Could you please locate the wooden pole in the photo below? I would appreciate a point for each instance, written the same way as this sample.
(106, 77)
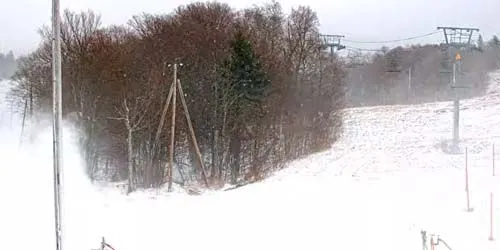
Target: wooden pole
(191, 131)
(160, 127)
(163, 115)
(172, 132)
(161, 124)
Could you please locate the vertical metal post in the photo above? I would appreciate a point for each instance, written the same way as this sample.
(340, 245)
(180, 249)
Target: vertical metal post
(493, 159)
(456, 109)
(409, 78)
(332, 53)
(491, 238)
(57, 119)
(410, 96)
(424, 239)
(458, 38)
(467, 180)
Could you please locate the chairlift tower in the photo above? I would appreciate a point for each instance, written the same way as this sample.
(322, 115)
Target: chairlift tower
(329, 41)
(332, 42)
(457, 41)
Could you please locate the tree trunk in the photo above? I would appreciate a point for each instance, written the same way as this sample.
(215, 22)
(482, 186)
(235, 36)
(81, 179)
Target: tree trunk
(130, 160)
(213, 148)
(235, 148)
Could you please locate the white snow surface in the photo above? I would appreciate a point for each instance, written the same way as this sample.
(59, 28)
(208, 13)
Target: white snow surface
(387, 179)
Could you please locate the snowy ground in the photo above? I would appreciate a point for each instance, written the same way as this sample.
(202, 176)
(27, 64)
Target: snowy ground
(385, 181)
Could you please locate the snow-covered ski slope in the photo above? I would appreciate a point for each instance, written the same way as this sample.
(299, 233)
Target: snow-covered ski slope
(386, 180)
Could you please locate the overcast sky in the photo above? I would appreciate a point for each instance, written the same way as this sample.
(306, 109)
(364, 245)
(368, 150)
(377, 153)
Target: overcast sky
(365, 20)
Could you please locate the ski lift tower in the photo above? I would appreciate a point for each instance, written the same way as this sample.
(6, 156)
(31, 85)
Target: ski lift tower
(457, 41)
(332, 42)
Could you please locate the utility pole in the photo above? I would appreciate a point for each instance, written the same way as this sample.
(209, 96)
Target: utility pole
(457, 39)
(175, 88)
(57, 119)
(172, 131)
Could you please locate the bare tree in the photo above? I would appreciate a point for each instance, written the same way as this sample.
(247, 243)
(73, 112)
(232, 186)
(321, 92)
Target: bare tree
(117, 85)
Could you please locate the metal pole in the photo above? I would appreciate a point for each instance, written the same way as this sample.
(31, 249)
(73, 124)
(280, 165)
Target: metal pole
(493, 159)
(456, 110)
(491, 238)
(458, 38)
(57, 118)
(409, 78)
(332, 52)
(409, 84)
(466, 171)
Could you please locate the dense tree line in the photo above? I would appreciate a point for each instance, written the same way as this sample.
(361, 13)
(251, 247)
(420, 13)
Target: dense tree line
(384, 78)
(259, 89)
(7, 65)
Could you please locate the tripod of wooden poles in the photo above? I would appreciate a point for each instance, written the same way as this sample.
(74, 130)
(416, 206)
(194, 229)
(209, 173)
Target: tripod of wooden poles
(175, 88)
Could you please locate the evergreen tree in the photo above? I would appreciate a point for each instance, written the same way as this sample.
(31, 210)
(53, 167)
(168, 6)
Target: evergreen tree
(480, 43)
(247, 84)
(246, 78)
(7, 65)
(494, 42)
